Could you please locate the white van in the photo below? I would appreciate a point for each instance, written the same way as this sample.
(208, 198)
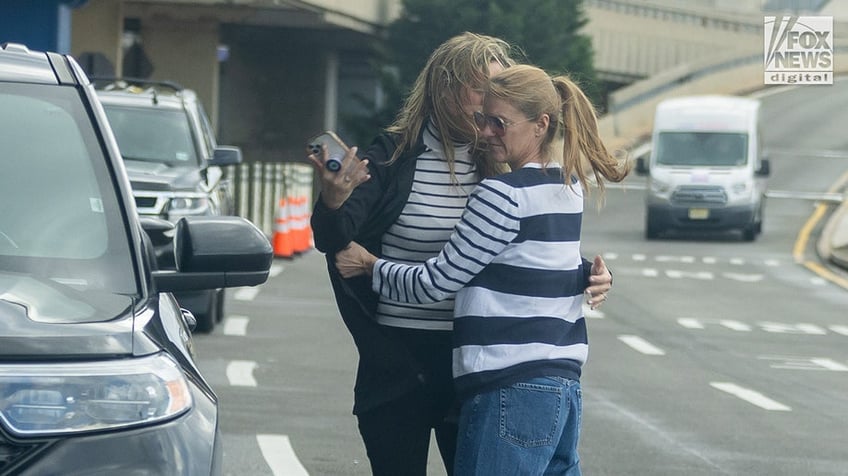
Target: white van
(705, 171)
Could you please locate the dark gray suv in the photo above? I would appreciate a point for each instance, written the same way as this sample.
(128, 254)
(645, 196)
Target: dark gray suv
(173, 161)
(97, 374)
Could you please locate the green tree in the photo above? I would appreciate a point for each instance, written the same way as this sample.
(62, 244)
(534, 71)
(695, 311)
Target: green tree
(545, 33)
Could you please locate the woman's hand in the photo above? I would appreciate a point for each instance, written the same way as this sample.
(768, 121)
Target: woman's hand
(600, 283)
(354, 260)
(337, 186)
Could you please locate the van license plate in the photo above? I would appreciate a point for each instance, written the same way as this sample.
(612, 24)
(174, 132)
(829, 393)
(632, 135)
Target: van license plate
(699, 213)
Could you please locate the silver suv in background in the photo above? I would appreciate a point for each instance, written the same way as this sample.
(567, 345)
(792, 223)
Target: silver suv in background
(174, 164)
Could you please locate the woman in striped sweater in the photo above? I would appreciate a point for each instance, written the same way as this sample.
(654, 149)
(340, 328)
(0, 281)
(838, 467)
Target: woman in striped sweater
(513, 263)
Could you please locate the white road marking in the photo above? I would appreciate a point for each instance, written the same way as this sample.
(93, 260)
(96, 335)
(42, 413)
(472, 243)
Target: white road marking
(610, 256)
(782, 328)
(280, 456)
(240, 373)
(815, 280)
(737, 261)
(677, 274)
(690, 323)
(236, 326)
(709, 260)
(650, 273)
(840, 330)
(751, 396)
(245, 294)
(804, 363)
(276, 269)
(639, 257)
(830, 364)
(641, 345)
(735, 325)
(745, 278)
(772, 262)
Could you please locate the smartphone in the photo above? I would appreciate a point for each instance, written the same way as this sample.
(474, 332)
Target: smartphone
(336, 149)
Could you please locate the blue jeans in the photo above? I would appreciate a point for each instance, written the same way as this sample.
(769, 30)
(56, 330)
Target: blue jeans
(528, 428)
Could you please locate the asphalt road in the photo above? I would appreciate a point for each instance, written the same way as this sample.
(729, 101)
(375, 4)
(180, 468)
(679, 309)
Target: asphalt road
(713, 355)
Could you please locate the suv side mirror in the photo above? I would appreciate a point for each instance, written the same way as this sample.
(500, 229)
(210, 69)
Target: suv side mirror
(642, 166)
(216, 252)
(765, 168)
(225, 155)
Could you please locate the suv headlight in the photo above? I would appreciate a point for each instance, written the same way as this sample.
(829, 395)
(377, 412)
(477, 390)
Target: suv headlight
(189, 204)
(50, 399)
(739, 188)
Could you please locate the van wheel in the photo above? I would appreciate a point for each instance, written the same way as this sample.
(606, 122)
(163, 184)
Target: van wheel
(749, 233)
(652, 229)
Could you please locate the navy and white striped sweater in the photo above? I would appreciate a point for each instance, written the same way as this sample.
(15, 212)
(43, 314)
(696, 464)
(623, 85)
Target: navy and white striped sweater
(514, 264)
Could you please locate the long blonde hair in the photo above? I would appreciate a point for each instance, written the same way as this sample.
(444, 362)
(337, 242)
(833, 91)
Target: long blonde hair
(458, 65)
(572, 118)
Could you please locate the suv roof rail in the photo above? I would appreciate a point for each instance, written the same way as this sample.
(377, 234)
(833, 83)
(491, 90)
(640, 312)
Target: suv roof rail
(115, 82)
(16, 47)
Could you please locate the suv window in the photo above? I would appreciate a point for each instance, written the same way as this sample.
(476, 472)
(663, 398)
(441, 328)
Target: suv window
(153, 135)
(65, 238)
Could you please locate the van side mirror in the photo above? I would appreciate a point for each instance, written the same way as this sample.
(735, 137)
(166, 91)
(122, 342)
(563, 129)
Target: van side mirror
(765, 168)
(642, 166)
(226, 155)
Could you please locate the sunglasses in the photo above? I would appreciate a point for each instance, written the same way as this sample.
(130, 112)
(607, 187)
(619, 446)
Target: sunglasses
(497, 124)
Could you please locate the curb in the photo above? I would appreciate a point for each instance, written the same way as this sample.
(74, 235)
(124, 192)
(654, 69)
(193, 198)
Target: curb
(833, 243)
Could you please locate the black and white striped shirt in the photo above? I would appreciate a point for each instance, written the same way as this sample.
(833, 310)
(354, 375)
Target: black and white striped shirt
(514, 265)
(434, 206)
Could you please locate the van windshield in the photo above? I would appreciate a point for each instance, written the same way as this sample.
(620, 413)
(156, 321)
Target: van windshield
(714, 149)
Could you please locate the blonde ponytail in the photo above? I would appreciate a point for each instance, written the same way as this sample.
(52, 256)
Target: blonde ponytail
(582, 144)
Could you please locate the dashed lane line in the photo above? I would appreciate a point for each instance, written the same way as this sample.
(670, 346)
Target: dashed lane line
(751, 396)
(240, 373)
(245, 294)
(275, 270)
(641, 345)
(236, 326)
(280, 456)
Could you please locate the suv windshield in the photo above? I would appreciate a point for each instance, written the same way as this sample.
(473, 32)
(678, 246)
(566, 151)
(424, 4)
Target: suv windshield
(152, 135)
(63, 239)
(709, 149)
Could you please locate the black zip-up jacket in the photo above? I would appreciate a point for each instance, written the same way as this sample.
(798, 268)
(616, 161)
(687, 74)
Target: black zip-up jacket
(387, 369)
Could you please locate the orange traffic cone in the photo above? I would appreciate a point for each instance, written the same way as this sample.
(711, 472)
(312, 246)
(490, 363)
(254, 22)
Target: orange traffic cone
(302, 241)
(282, 233)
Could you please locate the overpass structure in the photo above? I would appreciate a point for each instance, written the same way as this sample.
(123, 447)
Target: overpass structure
(273, 72)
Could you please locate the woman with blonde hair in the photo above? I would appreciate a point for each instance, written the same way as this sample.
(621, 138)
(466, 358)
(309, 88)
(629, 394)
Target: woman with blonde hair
(402, 202)
(513, 264)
